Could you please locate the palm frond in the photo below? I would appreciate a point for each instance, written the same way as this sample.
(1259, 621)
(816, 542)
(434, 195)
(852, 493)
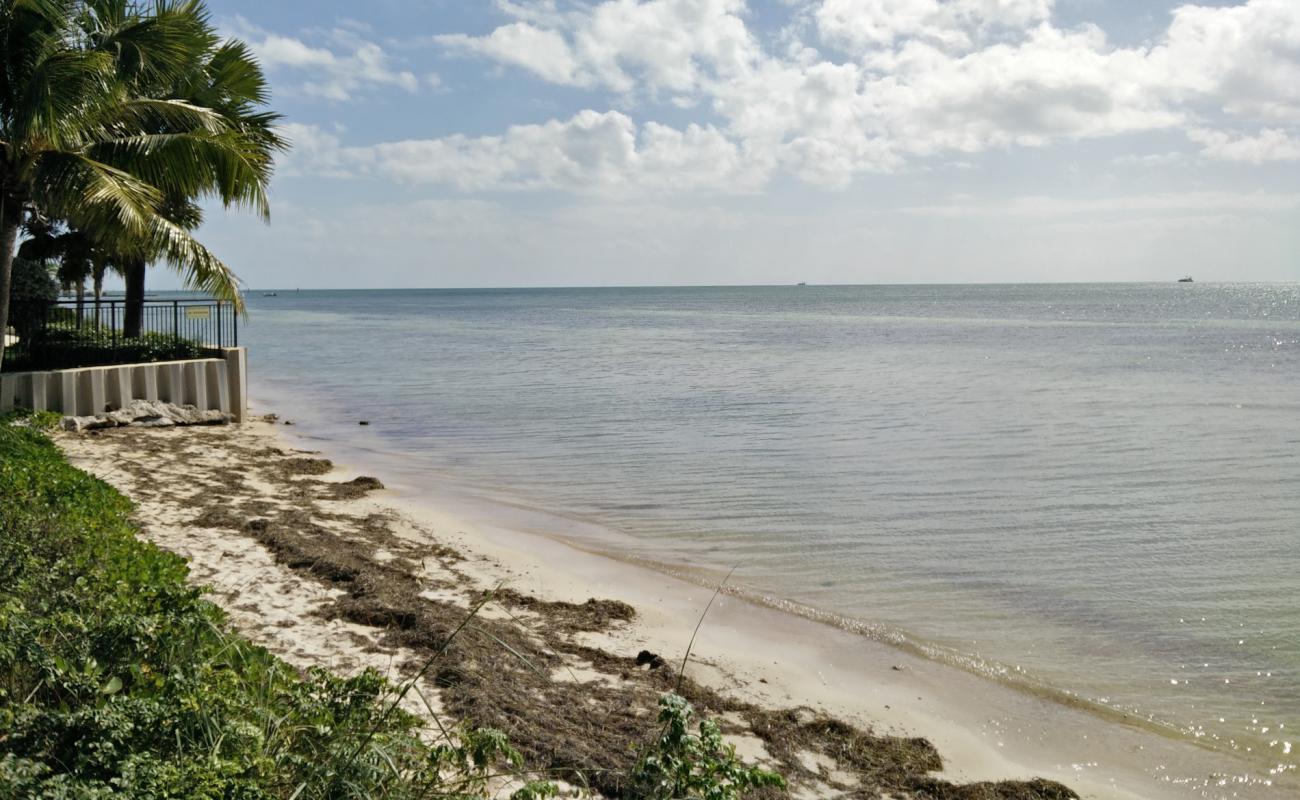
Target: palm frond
(153, 115)
(234, 72)
(90, 193)
(59, 87)
(228, 166)
(150, 49)
(202, 270)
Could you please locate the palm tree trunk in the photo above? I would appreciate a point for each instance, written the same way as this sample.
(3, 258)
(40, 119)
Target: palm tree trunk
(134, 318)
(10, 218)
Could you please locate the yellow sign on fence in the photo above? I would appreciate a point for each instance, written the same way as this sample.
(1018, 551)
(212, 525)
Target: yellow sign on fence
(198, 312)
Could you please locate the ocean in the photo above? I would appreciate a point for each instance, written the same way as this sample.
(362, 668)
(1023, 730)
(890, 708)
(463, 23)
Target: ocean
(1091, 491)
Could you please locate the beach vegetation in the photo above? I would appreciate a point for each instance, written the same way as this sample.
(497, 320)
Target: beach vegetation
(39, 420)
(117, 679)
(682, 763)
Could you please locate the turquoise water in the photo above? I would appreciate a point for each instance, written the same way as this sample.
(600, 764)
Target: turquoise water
(1092, 488)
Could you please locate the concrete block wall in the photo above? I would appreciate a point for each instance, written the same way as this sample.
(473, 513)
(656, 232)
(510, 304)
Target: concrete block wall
(208, 383)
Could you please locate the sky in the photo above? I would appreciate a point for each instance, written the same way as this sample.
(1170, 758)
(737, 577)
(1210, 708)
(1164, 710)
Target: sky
(466, 143)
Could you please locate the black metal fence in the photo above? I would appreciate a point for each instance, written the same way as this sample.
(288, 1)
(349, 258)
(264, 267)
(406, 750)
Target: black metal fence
(71, 334)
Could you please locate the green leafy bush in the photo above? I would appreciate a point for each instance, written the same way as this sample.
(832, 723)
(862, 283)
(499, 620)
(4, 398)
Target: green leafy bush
(117, 679)
(40, 420)
(62, 348)
(681, 765)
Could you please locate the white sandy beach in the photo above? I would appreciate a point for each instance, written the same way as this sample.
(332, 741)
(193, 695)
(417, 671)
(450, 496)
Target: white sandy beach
(983, 730)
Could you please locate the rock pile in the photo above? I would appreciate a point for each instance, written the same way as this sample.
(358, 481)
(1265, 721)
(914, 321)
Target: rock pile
(147, 414)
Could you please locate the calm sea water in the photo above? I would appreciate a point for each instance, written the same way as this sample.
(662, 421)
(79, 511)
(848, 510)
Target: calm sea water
(1094, 488)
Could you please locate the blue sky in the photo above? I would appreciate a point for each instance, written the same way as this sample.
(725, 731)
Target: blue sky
(617, 142)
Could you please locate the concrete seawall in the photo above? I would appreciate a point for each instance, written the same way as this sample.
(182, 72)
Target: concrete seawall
(220, 383)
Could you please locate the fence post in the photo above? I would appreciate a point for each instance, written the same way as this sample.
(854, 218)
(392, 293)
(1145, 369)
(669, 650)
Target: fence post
(176, 321)
(218, 321)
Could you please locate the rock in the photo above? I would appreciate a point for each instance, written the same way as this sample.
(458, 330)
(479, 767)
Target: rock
(154, 422)
(899, 668)
(144, 408)
(79, 424)
(120, 417)
(210, 417)
(147, 414)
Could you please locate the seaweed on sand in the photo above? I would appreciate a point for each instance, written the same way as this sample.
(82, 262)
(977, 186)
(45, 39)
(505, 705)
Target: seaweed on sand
(518, 671)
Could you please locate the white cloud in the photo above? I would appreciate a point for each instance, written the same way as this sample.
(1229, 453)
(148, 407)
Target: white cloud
(1271, 144)
(591, 151)
(344, 63)
(1244, 59)
(620, 44)
(955, 24)
(313, 151)
(1156, 203)
(545, 53)
(510, 241)
(1165, 159)
(918, 78)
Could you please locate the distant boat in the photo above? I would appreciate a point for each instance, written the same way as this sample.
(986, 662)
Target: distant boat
(801, 283)
(1187, 279)
(270, 294)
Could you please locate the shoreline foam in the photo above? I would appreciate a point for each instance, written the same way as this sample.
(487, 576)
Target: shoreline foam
(983, 730)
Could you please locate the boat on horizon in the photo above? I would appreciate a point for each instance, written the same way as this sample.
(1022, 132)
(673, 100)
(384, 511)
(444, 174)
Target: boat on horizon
(1185, 279)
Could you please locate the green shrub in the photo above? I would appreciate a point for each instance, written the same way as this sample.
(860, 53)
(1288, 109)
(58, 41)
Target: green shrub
(89, 346)
(681, 765)
(117, 679)
(40, 420)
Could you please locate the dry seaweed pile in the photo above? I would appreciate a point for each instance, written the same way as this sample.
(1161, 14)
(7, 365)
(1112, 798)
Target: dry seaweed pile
(574, 711)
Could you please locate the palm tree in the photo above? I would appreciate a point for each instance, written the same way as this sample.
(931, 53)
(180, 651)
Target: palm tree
(76, 252)
(103, 122)
(234, 165)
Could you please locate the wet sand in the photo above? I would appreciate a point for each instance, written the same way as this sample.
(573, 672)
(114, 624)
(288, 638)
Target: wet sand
(327, 569)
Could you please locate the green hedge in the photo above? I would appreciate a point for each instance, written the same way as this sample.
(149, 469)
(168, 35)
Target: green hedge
(91, 347)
